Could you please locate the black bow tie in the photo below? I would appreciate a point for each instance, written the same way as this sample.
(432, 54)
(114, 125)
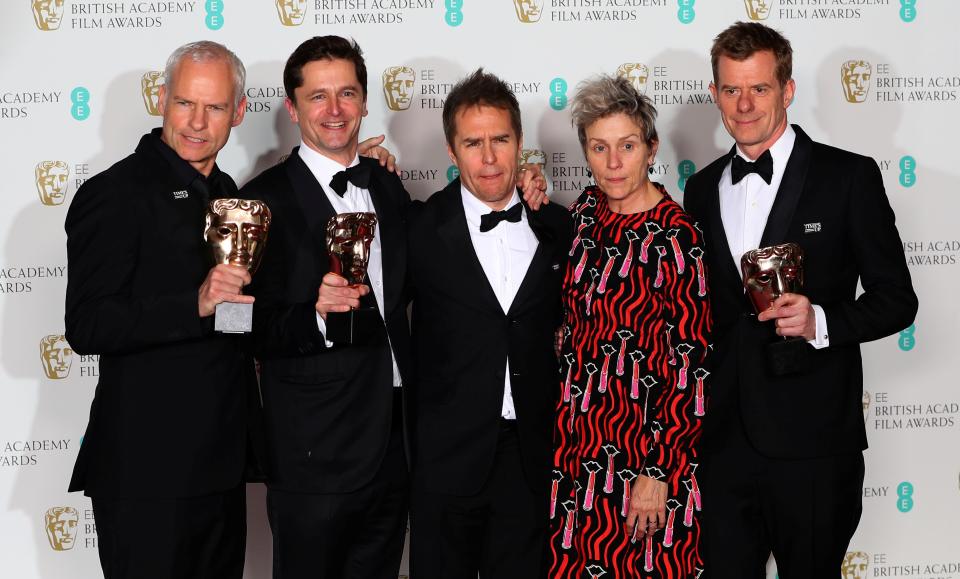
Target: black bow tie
(763, 166)
(490, 220)
(359, 175)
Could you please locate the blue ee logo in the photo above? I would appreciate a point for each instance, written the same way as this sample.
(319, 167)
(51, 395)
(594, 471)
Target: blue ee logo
(80, 109)
(907, 341)
(452, 173)
(685, 169)
(558, 94)
(908, 10)
(214, 18)
(904, 497)
(908, 167)
(686, 14)
(454, 15)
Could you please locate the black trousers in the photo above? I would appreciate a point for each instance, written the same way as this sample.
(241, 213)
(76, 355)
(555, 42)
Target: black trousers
(804, 511)
(176, 538)
(500, 532)
(356, 535)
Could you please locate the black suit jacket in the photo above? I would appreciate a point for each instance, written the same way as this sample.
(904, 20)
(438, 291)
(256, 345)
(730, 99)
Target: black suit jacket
(327, 411)
(170, 413)
(462, 340)
(833, 204)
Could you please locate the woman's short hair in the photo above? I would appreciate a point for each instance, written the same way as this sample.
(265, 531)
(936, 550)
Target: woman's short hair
(606, 95)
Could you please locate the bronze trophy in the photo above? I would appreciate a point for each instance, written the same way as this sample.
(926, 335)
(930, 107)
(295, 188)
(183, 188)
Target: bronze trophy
(236, 233)
(349, 236)
(768, 273)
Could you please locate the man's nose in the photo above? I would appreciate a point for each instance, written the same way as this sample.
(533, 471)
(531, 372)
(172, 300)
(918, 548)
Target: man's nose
(198, 120)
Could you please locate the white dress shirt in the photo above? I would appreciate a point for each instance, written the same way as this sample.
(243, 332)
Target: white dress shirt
(745, 207)
(505, 253)
(354, 200)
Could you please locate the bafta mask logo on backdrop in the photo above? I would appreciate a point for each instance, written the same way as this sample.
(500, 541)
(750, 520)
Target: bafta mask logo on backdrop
(637, 73)
(56, 356)
(855, 76)
(291, 12)
(758, 9)
(47, 14)
(61, 525)
(855, 565)
(866, 404)
(528, 10)
(398, 86)
(51, 179)
(150, 85)
(535, 156)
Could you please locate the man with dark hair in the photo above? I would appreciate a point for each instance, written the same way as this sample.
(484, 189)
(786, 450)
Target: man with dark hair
(783, 464)
(336, 468)
(485, 278)
(169, 423)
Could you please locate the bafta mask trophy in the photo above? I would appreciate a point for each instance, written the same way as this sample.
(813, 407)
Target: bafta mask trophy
(236, 233)
(768, 273)
(348, 242)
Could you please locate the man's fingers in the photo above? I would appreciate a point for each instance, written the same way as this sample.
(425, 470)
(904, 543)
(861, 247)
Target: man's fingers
(236, 299)
(334, 280)
(367, 144)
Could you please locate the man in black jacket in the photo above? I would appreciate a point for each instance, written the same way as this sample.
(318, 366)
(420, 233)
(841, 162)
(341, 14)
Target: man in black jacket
(336, 467)
(169, 422)
(486, 276)
(783, 463)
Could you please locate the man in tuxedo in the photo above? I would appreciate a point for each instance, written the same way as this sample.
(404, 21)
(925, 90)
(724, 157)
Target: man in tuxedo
(170, 420)
(783, 464)
(485, 277)
(336, 468)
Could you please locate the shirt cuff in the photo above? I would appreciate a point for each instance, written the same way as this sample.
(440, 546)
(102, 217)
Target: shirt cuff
(822, 337)
(322, 326)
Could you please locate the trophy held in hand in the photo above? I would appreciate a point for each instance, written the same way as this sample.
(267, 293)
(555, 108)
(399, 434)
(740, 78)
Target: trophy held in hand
(768, 273)
(236, 233)
(349, 236)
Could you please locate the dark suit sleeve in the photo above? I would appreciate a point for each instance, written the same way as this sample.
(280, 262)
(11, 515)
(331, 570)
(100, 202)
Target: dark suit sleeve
(888, 303)
(280, 328)
(103, 315)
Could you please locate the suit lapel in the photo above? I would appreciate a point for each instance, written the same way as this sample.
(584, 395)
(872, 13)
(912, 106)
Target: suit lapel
(452, 229)
(791, 187)
(392, 238)
(718, 235)
(538, 265)
(315, 210)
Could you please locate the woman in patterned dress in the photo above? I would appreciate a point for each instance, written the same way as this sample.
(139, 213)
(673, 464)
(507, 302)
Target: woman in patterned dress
(625, 498)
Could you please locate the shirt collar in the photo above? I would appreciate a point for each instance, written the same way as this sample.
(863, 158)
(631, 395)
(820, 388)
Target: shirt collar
(211, 185)
(323, 167)
(182, 169)
(780, 150)
(474, 208)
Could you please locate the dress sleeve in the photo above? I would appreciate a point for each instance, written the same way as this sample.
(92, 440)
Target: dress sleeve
(675, 425)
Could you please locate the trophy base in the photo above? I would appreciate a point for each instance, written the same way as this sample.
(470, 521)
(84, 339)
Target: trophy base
(355, 327)
(231, 318)
(787, 356)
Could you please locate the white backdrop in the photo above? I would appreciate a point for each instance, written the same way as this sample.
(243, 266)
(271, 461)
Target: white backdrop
(75, 87)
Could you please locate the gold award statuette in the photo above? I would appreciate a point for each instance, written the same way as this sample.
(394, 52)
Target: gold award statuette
(236, 233)
(349, 236)
(768, 273)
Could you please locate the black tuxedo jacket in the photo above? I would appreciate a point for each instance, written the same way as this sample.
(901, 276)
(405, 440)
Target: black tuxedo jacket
(462, 339)
(170, 413)
(833, 204)
(327, 411)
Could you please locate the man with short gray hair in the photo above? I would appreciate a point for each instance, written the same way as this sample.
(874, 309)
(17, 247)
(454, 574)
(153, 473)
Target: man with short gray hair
(170, 420)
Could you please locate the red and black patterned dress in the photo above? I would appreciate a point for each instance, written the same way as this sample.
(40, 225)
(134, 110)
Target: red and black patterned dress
(633, 390)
